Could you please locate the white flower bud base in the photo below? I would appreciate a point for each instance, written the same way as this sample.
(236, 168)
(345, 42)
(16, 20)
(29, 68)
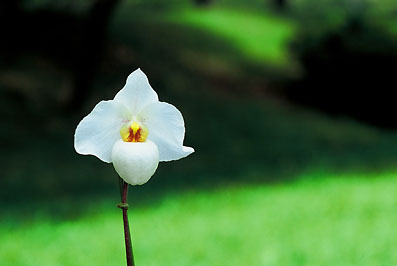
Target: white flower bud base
(135, 162)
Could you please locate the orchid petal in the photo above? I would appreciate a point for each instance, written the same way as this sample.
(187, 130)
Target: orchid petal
(166, 130)
(137, 92)
(99, 130)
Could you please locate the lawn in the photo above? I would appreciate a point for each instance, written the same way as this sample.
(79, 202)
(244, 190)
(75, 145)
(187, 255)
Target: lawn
(319, 220)
(222, 40)
(258, 36)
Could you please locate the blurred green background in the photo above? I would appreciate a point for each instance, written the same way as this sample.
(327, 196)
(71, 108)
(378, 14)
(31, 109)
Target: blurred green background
(288, 103)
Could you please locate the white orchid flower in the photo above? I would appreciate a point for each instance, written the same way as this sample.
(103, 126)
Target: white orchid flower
(134, 131)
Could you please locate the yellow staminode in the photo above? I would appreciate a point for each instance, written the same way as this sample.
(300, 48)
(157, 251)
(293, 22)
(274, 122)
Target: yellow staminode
(135, 127)
(134, 132)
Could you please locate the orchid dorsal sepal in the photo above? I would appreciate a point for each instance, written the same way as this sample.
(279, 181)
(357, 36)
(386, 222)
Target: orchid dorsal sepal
(134, 131)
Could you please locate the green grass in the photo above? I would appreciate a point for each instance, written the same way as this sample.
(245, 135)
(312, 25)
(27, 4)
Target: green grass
(319, 220)
(257, 35)
(222, 41)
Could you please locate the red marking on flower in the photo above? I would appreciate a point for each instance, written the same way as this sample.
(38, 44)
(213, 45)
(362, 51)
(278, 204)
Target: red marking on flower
(137, 137)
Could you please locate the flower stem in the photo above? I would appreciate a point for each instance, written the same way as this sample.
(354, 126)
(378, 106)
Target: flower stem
(124, 207)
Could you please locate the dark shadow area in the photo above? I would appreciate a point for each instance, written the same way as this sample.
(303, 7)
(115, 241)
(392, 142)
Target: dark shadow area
(69, 41)
(349, 68)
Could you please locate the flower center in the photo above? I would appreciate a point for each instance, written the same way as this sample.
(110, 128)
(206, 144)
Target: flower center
(134, 132)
